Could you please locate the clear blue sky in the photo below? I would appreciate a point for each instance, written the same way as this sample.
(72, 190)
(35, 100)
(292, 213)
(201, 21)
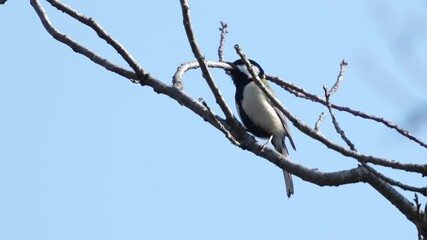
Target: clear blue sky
(85, 154)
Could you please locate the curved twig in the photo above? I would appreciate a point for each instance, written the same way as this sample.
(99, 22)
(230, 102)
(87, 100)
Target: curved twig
(177, 77)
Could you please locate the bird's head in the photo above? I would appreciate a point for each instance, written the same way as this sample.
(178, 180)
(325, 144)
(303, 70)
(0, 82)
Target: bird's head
(241, 75)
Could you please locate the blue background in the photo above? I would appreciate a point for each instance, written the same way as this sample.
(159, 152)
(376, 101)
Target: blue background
(86, 154)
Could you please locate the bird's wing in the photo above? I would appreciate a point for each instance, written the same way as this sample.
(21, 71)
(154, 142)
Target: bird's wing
(265, 82)
(280, 114)
(285, 126)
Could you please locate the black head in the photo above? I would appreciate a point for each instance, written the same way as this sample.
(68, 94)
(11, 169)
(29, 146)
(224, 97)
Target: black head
(241, 75)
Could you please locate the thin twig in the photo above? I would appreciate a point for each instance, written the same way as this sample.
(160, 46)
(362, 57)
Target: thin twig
(421, 190)
(177, 77)
(418, 206)
(90, 22)
(76, 46)
(340, 77)
(319, 121)
(222, 128)
(392, 195)
(202, 62)
(423, 217)
(224, 31)
(300, 92)
(316, 135)
(335, 122)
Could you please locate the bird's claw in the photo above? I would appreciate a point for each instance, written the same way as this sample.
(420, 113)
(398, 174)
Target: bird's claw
(266, 143)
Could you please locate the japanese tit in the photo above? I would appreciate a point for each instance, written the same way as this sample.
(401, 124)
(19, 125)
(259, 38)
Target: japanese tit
(258, 114)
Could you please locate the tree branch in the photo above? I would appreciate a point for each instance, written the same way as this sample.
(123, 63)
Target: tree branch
(222, 128)
(76, 46)
(224, 31)
(299, 92)
(334, 119)
(177, 77)
(393, 196)
(352, 146)
(340, 77)
(202, 62)
(319, 122)
(159, 87)
(393, 182)
(101, 33)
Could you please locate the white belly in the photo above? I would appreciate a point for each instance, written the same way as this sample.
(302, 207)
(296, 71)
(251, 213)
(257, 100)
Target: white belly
(260, 111)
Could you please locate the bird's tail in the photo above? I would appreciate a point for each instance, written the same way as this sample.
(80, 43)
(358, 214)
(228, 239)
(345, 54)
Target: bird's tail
(289, 183)
(280, 146)
(288, 177)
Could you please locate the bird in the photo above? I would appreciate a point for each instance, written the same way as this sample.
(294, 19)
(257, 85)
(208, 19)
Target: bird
(257, 113)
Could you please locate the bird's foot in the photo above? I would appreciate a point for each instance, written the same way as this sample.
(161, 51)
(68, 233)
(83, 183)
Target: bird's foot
(266, 143)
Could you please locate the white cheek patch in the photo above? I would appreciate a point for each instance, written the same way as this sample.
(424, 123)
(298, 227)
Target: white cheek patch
(244, 70)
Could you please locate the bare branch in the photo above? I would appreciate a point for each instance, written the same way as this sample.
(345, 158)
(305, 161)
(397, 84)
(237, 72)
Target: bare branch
(101, 33)
(177, 77)
(418, 206)
(340, 77)
(386, 179)
(2, 2)
(222, 128)
(359, 174)
(157, 86)
(393, 196)
(202, 62)
(224, 31)
(76, 46)
(335, 122)
(314, 176)
(423, 217)
(299, 92)
(319, 121)
(365, 165)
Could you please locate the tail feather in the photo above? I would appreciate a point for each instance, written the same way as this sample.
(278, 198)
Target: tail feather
(289, 183)
(280, 146)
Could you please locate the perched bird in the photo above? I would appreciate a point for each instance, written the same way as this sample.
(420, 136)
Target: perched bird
(258, 114)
